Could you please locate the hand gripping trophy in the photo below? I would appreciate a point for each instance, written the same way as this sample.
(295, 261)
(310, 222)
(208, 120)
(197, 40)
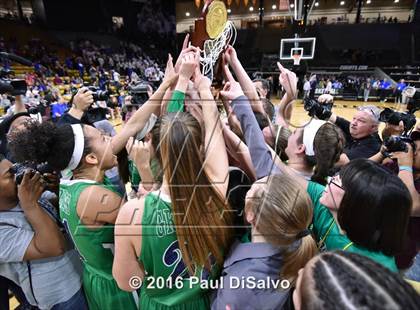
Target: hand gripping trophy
(212, 34)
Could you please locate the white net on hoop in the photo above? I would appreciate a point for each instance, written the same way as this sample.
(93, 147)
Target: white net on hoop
(296, 59)
(213, 48)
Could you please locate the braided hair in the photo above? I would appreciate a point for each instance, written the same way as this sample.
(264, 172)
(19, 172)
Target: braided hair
(344, 280)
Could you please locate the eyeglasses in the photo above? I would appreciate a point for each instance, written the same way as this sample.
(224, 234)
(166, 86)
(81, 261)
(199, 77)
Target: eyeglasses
(331, 180)
(367, 109)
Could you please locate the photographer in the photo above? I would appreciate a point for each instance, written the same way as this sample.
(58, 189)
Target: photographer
(411, 178)
(33, 250)
(361, 134)
(409, 169)
(407, 165)
(8, 124)
(80, 103)
(397, 123)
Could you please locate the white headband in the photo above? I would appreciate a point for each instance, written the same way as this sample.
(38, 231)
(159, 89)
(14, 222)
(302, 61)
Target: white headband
(79, 146)
(309, 133)
(146, 129)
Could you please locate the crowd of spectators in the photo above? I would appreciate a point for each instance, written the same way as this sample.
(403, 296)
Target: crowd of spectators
(85, 57)
(359, 85)
(344, 19)
(53, 81)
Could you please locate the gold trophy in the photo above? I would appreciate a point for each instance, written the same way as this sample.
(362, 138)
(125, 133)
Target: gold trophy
(212, 33)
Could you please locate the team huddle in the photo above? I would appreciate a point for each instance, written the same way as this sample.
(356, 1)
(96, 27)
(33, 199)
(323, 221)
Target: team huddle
(233, 207)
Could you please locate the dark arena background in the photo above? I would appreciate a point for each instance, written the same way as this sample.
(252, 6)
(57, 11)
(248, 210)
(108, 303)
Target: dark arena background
(317, 112)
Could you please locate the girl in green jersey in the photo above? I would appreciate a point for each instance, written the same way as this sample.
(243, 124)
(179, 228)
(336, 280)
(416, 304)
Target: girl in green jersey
(173, 240)
(88, 204)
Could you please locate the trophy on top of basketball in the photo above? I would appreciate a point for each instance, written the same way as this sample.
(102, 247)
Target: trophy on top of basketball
(212, 34)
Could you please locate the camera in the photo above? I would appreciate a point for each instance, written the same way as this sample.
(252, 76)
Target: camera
(314, 108)
(397, 144)
(15, 87)
(138, 93)
(413, 104)
(19, 169)
(98, 94)
(93, 115)
(392, 117)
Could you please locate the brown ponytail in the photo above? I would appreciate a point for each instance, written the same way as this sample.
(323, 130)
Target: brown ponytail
(201, 215)
(328, 146)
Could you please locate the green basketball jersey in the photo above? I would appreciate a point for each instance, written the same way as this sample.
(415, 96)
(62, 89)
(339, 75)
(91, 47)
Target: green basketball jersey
(96, 246)
(167, 284)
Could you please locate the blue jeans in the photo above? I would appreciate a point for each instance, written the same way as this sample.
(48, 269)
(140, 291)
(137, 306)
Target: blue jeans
(413, 273)
(76, 302)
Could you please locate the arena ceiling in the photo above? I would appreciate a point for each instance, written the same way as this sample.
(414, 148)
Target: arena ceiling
(322, 4)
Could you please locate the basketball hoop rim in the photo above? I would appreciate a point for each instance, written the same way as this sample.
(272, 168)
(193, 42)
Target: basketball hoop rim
(296, 59)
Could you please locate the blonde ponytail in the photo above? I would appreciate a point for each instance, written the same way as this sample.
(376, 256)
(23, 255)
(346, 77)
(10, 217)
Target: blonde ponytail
(296, 257)
(284, 212)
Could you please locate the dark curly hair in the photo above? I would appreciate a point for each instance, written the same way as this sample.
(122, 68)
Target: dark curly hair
(345, 280)
(40, 143)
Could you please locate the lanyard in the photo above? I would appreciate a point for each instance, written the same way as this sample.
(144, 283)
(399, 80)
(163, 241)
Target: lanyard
(321, 243)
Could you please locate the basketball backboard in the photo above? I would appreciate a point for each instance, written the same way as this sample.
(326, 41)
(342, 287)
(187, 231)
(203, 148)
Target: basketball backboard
(305, 47)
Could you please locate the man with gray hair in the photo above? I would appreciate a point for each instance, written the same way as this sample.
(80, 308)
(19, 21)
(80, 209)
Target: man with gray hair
(362, 139)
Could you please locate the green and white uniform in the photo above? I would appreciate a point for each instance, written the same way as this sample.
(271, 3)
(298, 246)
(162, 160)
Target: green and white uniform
(328, 233)
(96, 247)
(162, 260)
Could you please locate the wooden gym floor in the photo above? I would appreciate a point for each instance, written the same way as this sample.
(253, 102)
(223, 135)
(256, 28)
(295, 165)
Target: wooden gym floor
(345, 109)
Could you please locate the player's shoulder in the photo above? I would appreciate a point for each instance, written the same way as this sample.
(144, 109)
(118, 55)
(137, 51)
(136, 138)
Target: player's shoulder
(131, 211)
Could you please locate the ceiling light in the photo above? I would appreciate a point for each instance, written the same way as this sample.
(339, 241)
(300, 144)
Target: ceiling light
(342, 3)
(187, 14)
(274, 6)
(251, 8)
(316, 3)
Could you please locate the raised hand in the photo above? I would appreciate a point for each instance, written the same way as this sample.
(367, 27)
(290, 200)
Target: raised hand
(201, 82)
(230, 55)
(232, 88)
(83, 99)
(288, 80)
(138, 151)
(170, 74)
(190, 61)
(185, 50)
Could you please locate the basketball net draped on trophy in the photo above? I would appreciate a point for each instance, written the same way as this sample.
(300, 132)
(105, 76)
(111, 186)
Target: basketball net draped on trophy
(212, 34)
